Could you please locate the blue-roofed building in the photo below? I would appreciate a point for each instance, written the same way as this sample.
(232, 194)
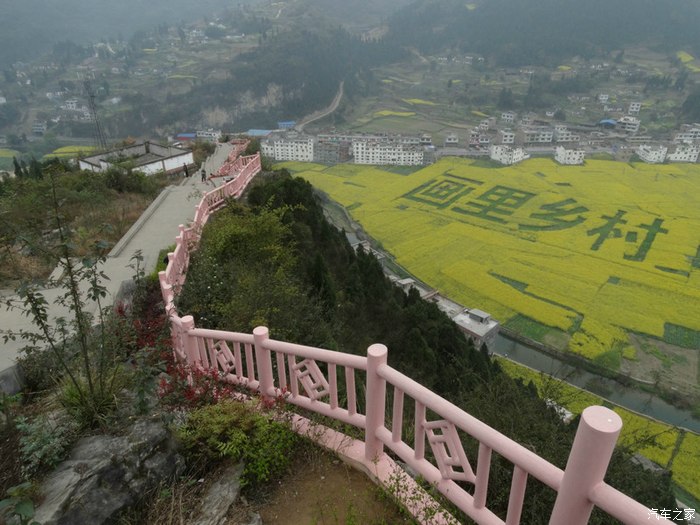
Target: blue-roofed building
(286, 124)
(608, 123)
(185, 136)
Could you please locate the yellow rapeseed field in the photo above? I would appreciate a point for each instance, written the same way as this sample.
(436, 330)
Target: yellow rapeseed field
(71, 151)
(685, 464)
(597, 251)
(684, 56)
(390, 113)
(419, 101)
(653, 439)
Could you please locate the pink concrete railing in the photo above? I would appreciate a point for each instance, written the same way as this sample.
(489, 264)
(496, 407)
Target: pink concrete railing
(278, 369)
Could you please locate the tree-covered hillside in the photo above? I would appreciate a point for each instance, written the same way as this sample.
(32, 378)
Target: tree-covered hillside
(278, 263)
(518, 32)
(289, 75)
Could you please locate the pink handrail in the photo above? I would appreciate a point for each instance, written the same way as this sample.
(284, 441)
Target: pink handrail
(291, 371)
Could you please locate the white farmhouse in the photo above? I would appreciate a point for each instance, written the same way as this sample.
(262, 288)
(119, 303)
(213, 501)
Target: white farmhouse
(652, 154)
(634, 108)
(628, 124)
(506, 136)
(146, 157)
(569, 156)
(507, 155)
(208, 134)
(508, 117)
(451, 139)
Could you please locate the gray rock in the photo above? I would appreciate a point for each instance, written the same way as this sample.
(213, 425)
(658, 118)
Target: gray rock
(220, 496)
(104, 475)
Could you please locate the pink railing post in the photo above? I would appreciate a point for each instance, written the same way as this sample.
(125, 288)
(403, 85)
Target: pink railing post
(191, 350)
(375, 401)
(263, 361)
(588, 461)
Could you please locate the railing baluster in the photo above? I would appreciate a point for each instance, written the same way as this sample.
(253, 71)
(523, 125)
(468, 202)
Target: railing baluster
(263, 361)
(239, 360)
(213, 361)
(281, 372)
(202, 350)
(419, 438)
(397, 416)
(350, 386)
(375, 401)
(517, 496)
(482, 476)
(249, 363)
(293, 383)
(589, 457)
(333, 385)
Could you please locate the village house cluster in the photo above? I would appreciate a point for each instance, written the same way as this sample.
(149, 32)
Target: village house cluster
(507, 140)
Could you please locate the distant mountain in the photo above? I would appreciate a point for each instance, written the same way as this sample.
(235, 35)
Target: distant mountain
(354, 14)
(31, 27)
(517, 32)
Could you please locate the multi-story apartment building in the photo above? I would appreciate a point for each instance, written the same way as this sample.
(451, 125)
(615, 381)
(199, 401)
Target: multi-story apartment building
(209, 134)
(652, 154)
(628, 124)
(279, 148)
(684, 153)
(634, 108)
(382, 153)
(352, 137)
(508, 117)
(507, 155)
(569, 156)
(474, 137)
(689, 134)
(331, 152)
(538, 135)
(564, 134)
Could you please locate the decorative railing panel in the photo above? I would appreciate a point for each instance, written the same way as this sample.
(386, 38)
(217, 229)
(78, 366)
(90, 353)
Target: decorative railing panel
(333, 384)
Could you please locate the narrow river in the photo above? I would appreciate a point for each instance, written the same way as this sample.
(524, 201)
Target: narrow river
(626, 397)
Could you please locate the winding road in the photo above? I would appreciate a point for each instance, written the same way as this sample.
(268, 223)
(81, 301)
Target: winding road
(317, 115)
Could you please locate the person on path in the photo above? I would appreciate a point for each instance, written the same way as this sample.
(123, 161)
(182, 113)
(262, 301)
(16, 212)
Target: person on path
(204, 175)
(187, 172)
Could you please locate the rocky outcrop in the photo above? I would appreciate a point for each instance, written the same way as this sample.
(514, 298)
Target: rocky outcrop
(107, 474)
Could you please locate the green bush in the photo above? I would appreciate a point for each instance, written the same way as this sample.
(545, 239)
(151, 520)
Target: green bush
(236, 430)
(43, 442)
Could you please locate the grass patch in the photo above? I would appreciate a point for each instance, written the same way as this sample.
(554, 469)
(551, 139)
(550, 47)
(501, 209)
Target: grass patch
(528, 327)
(8, 153)
(681, 336)
(403, 170)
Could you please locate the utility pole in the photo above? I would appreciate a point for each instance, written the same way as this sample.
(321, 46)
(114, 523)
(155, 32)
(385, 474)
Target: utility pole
(99, 135)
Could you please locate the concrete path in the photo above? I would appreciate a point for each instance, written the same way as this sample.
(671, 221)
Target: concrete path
(155, 230)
